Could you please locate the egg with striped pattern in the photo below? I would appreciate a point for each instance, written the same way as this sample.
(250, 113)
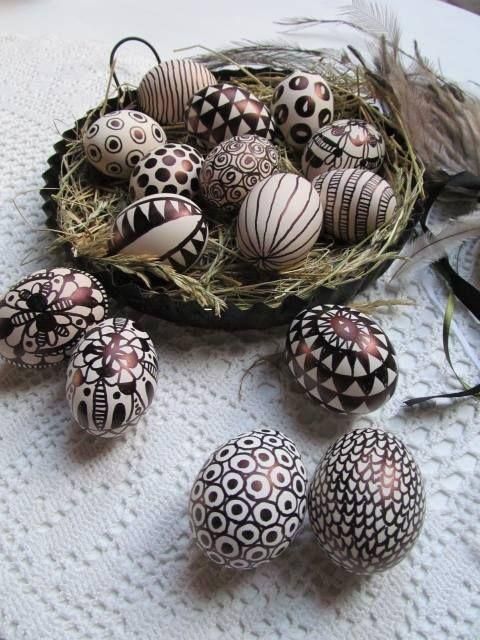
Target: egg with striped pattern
(165, 90)
(279, 222)
(356, 203)
(115, 142)
(169, 227)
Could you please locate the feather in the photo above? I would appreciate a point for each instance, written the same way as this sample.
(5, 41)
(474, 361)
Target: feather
(373, 18)
(428, 248)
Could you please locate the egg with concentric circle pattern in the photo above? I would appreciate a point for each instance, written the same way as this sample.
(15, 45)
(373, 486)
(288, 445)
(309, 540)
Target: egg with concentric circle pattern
(248, 501)
(115, 142)
(366, 501)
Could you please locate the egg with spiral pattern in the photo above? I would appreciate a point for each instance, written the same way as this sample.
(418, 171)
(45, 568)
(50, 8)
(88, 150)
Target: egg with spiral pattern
(366, 501)
(341, 358)
(111, 377)
(234, 167)
(249, 499)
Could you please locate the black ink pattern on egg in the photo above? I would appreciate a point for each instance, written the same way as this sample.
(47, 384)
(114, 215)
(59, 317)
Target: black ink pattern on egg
(342, 359)
(343, 144)
(171, 168)
(249, 500)
(221, 111)
(45, 314)
(356, 202)
(111, 377)
(170, 227)
(366, 501)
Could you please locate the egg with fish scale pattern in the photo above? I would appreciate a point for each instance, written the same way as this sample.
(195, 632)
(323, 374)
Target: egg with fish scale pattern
(366, 501)
(248, 501)
(115, 142)
(111, 377)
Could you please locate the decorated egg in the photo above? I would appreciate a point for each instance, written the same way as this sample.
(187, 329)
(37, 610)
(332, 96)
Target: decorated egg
(341, 358)
(171, 168)
(115, 142)
(249, 499)
(343, 144)
(170, 227)
(234, 167)
(220, 111)
(111, 377)
(366, 501)
(165, 90)
(301, 104)
(45, 314)
(279, 222)
(355, 202)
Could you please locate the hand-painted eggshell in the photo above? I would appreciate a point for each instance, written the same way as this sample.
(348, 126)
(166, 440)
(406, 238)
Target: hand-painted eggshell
(366, 501)
(301, 104)
(248, 502)
(343, 144)
(356, 202)
(111, 377)
(115, 142)
(341, 358)
(220, 111)
(170, 227)
(165, 90)
(234, 167)
(279, 222)
(171, 168)
(45, 314)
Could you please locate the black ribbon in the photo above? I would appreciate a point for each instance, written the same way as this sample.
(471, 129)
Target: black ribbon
(469, 295)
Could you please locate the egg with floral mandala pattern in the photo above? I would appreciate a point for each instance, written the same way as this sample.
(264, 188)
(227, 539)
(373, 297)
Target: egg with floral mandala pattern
(341, 358)
(111, 377)
(249, 499)
(234, 167)
(44, 315)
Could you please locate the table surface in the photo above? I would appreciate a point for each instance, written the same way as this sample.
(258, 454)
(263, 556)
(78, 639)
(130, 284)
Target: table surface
(94, 539)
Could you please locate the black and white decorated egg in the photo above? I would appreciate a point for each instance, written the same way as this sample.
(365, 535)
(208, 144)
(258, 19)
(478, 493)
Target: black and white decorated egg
(234, 167)
(170, 168)
(165, 90)
(248, 502)
(366, 501)
(279, 222)
(301, 104)
(220, 111)
(343, 144)
(341, 358)
(356, 203)
(115, 142)
(111, 377)
(170, 227)
(45, 314)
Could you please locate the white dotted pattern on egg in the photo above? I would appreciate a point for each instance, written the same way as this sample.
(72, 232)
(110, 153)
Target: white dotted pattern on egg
(248, 501)
(171, 168)
(279, 222)
(342, 359)
(44, 315)
(170, 227)
(115, 142)
(343, 144)
(111, 377)
(301, 104)
(356, 202)
(234, 167)
(165, 90)
(367, 501)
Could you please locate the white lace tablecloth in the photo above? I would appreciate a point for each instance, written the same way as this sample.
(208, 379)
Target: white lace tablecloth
(94, 540)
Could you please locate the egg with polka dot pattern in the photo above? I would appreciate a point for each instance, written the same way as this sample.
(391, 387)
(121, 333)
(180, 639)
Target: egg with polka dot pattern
(115, 142)
(171, 168)
(301, 104)
(248, 501)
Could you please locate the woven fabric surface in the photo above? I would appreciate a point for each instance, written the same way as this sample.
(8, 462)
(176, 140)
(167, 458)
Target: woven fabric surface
(94, 537)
